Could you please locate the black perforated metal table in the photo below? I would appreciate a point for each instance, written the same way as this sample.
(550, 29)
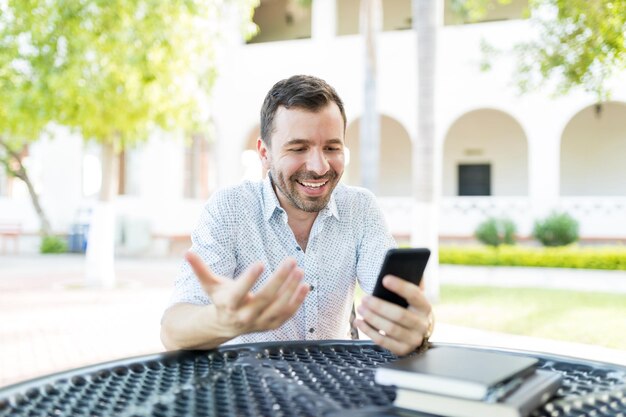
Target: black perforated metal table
(328, 378)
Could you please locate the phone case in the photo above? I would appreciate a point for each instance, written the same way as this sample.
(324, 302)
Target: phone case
(406, 263)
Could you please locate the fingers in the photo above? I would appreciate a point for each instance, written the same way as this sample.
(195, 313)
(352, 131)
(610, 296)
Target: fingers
(244, 283)
(206, 277)
(398, 347)
(409, 291)
(243, 311)
(405, 326)
(287, 301)
(398, 329)
(266, 295)
(211, 283)
(408, 317)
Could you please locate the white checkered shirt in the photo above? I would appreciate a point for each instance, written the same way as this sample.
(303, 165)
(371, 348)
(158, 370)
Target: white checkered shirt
(245, 223)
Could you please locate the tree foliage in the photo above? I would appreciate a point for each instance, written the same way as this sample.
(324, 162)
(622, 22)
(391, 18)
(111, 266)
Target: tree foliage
(113, 69)
(579, 43)
(474, 10)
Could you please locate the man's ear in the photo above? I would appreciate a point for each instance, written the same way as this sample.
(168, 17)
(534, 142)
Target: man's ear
(264, 153)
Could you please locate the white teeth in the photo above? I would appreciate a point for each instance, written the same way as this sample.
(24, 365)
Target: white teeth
(312, 185)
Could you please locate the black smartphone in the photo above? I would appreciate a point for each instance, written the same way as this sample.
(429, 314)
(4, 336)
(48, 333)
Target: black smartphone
(406, 263)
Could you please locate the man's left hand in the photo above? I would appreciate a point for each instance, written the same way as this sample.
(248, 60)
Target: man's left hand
(401, 330)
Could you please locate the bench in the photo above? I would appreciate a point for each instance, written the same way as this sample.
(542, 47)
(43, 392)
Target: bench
(176, 244)
(10, 230)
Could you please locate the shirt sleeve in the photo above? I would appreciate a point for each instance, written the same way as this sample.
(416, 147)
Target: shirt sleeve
(376, 240)
(213, 240)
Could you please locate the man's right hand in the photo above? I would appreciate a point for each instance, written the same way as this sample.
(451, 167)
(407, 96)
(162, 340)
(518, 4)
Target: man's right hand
(235, 309)
(238, 311)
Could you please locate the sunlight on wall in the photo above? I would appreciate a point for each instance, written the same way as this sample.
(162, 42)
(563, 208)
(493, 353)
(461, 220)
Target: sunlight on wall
(252, 168)
(92, 175)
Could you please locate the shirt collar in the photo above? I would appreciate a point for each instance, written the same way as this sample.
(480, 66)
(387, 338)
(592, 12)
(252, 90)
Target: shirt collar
(271, 203)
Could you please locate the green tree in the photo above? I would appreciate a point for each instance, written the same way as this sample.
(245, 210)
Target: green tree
(113, 70)
(25, 108)
(579, 43)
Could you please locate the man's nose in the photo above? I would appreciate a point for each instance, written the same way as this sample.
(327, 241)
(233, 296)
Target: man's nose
(317, 162)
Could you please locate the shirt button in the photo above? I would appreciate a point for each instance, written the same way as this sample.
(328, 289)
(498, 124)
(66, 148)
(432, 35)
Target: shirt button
(312, 287)
(311, 330)
(298, 248)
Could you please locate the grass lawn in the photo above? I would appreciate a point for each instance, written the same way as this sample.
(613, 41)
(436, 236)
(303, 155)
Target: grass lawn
(582, 317)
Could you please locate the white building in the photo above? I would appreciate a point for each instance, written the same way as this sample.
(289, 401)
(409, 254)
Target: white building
(499, 153)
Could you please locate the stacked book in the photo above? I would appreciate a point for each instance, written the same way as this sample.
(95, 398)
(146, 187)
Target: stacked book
(457, 382)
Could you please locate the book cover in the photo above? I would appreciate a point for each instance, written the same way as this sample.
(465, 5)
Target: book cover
(457, 372)
(535, 391)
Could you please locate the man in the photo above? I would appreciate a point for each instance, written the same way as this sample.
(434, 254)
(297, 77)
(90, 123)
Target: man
(279, 259)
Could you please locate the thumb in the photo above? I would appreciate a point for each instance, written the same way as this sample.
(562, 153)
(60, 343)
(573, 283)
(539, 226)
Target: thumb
(207, 278)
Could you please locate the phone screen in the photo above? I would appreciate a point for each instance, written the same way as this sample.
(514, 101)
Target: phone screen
(408, 264)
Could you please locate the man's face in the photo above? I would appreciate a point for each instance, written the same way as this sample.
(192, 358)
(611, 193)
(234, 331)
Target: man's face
(306, 158)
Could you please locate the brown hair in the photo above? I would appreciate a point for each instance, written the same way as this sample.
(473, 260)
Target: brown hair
(299, 91)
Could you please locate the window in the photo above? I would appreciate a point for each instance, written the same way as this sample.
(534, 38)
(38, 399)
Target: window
(129, 170)
(495, 11)
(396, 15)
(4, 182)
(474, 179)
(196, 175)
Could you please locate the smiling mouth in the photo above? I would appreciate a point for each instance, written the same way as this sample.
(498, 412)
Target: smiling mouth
(312, 184)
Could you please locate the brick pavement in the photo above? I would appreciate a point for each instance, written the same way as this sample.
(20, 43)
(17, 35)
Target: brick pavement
(50, 322)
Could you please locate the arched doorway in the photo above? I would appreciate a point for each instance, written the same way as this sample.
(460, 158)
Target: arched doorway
(485, 153)
(593, 152)
(395, 158)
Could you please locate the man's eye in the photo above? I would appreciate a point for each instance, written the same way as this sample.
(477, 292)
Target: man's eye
(333, 149)
(297, 149)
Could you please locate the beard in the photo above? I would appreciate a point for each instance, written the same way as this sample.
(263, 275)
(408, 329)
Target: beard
(288, 187)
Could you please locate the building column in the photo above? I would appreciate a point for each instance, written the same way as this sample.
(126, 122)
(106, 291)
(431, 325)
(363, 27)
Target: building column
(544, 161)
(323, 19)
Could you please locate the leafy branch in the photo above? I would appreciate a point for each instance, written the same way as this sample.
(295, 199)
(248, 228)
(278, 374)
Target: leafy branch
(579, 43)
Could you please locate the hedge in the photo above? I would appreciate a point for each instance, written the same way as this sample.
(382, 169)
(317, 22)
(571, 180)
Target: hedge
(613, 258)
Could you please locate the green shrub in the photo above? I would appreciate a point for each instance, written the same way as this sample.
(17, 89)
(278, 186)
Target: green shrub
(558, 229)
(52, 244)
(496, 232)
(549, 257)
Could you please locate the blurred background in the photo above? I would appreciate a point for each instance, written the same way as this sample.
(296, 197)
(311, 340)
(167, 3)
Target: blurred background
(491, 131)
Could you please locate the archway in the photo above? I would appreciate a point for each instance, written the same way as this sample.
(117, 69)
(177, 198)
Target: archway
(395, 158)
(593, 152)
(485, 153)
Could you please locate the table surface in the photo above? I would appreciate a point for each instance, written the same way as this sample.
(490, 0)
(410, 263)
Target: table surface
(327, 378)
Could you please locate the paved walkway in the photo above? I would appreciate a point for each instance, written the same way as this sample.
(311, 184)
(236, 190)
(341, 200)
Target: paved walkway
(573, 279)
(50, 322)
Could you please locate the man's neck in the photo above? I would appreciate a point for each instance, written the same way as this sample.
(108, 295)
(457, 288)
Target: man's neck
(300, 221)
